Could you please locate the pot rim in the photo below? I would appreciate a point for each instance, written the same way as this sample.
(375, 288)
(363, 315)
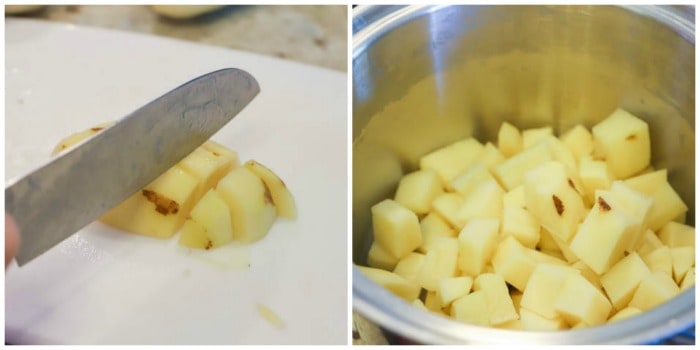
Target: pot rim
(379, 305)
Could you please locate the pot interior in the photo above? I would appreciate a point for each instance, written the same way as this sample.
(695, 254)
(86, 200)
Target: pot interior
(441, 74)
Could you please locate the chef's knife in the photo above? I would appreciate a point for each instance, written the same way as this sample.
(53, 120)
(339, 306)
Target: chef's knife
(75, 189)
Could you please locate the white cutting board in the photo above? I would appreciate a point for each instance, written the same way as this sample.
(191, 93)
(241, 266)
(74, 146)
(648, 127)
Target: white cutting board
(102, 286)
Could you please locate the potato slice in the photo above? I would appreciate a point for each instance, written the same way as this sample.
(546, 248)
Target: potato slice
(76, 138)
(209, 225)
(281, 197)
(184, 11)
(249, 202)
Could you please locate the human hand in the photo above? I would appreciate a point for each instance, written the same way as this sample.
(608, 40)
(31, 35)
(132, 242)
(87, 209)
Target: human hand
(11, 239)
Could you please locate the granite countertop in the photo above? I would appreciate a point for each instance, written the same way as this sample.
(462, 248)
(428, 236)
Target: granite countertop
(315, 35)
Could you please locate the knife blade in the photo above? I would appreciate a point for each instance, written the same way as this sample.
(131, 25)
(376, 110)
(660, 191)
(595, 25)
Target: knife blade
(63, 196)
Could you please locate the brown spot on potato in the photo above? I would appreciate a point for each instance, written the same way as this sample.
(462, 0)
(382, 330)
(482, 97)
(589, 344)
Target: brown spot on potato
(96, 129)
(603, 205)
(268, 195)
(216, 154)
(631, 137)
(209, 245)
(164, 205)
(558, 204)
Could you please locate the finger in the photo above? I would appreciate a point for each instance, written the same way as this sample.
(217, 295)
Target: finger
(11, 239)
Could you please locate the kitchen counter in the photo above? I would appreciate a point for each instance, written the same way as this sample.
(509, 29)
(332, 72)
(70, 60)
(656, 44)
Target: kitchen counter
(315, 35)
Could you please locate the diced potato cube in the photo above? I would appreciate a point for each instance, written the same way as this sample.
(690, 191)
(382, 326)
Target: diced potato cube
(595, 175)
(648, 183)
(418, 190)
(513, 263)
(648, 243)
(454, 288)
(378, 257)
(467, 181)
(447, 206)
(605, 233)
(431, 226)
(477, 244)
(511, 172)
(452, 159)
(396, 228)
(510, 142)
(579, 140)
(674, 235)
(515, 197)
(543, 287)
(159, 209)
(623, 140)
(579, 301)
(534, 135)
(682, 258)
(491, 156)
(486, 201)
(471, 308)
(551, 198)
(440, 262)
(401, 287)
(409, 266)
(498, 301)
(624, 313)
(659, 260)
(688, 280)
(655, 289)
(532, 321)
(667, 205)
(622, 280)
(637, 206)
(522, 225)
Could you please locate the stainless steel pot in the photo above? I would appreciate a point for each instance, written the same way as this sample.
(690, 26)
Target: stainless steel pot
(424, 76)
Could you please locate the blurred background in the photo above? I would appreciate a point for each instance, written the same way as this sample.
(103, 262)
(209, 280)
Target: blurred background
(315, 35)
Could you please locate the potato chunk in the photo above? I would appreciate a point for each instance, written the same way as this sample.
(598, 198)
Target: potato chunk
(380, 258)
(510, 141)
(674, 235)
(209, 225)
(281, 197)
(579, 140)
(604, 235)
(622, 280)
(553, 200)
(159, 209)
(477, 243)
(452, 159)
(522, 225)
(250, 203)
(655, 289)
(511, 172)
(403, 288)
(498, 301)
(418, 189)
(471, 308)
(396, 228)
(623, 140)
(409, 266)
(440, 263)
(453, 288)
(580, 301)
(543, 287)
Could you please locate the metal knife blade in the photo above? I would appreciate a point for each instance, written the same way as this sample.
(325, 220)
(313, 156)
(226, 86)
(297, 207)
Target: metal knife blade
(75, 189)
